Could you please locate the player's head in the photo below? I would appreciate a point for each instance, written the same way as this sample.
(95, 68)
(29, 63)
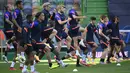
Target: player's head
(104, 18)
(46, 6)
(40, 16)
(9, 7)
(19, 4)
(29, 18)
(61, 8)
(75, 6)
(93, 20)
(116, 19)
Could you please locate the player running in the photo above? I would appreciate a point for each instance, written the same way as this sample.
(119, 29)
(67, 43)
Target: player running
(60, 22)
(114, 38)
(91, 30)
(8, 29)
(18, 23)
(74, 29)
(36, 35)
(104, 42)
(26, 43)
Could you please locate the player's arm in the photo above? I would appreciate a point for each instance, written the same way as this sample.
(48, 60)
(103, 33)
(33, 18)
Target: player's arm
(97, 35)
(109, 26)
(9, 22)
(101, 33)
(7, 19)
(62, 22)
(78, 17)
(14, 21)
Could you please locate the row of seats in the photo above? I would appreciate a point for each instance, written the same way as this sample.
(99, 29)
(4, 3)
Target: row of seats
(94, 8)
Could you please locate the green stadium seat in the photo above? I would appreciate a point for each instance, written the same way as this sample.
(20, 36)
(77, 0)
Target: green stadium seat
(94, 8)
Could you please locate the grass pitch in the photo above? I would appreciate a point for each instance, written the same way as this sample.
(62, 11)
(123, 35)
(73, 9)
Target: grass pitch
(43, 68)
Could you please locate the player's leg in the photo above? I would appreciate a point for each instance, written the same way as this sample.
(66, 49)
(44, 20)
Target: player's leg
(14, 61)
(83, 34)
(30, 60)
(27, 62)
(94, 46)
(8, 37)
(52, 35)
(49, 33)
(123, 45)
(70, 53)
(84, 55)
(106, 48)
(68, 42)
(118, 49)
(20, 49)
(48, 56)
(74, 33)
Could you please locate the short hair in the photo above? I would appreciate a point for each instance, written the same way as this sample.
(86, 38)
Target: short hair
(18, 2)
(38, 14)
(103, 17)
(46, 4)
(114, 18)
(59, 7)
(93, 18)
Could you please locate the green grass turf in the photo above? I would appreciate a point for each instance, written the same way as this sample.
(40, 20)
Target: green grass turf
(109, 68)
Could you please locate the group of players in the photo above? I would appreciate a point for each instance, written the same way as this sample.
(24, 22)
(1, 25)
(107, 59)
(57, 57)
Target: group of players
(34, 37)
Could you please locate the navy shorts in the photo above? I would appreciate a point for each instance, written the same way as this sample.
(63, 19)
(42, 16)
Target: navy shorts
(29, 49)
(18, 35)
(91, 43)
(115, 41)
(46, 32)
(104, 44)
(37, 46)
(9, 34)
(61, 35)
(74, 31)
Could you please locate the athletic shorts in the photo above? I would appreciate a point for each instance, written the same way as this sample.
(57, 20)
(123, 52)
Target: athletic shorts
(91, 43)
(46, 32)
(18, 35)
(61, 35)
(29, 49)
(74, 31)
(104, 44)
(9, 34)
(37, 46)
(115, 41)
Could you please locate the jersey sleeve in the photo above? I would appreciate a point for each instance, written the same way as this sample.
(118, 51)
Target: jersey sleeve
(33, 24)
(6, 15)
(71, 13)
(100, 26)
(15, 14)
(57, 17)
